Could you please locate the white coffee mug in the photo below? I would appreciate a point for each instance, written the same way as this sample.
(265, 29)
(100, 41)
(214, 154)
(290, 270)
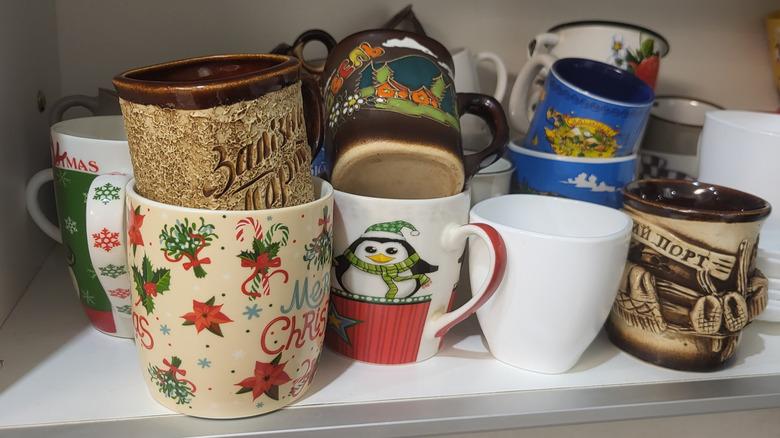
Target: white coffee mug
(618, 44)
(565, 259)
(494, 180)
(741, 149)
(473, 130)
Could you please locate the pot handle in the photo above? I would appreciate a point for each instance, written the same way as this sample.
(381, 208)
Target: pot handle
(312, 35)
(519, 104)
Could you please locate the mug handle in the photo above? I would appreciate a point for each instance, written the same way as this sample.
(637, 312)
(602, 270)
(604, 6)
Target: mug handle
(34, 207)
(441, 323)
(68, 102)
(314, 114)
(501, 74)
(489, 110)
(312, 35)
(543, 43)
(519, 113)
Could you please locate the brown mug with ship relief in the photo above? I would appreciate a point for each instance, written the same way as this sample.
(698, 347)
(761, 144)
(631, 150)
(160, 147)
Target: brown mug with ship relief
(230, 132)
(393, 118)
(690, 285)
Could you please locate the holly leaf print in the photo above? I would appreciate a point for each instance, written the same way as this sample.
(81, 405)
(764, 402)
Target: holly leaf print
(162, 278)
(148, 304)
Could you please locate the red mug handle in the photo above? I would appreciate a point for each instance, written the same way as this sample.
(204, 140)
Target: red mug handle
(442, 323)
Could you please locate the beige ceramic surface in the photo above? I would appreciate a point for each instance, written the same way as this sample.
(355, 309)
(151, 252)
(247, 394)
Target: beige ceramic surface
(689, 289)
(249, 155)
(229, 312)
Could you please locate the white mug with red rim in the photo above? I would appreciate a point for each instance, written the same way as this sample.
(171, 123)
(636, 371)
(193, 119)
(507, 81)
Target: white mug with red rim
(396, 265)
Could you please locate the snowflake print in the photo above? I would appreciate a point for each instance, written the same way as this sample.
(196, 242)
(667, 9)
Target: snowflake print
(106, 193)
(124, 309)
(119, 293)
(84, 198)
(92, 273)
(112, 271)
(252, 312)
(61, 178)
(87, 297)
(70, 225)
(105, 239)
(259, 404)
(164, 329)
(204, 363)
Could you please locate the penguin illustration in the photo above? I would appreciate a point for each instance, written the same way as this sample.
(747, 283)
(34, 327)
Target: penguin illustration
(381, 263)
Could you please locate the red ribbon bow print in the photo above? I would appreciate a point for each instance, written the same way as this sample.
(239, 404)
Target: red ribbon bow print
(174, 370)
(260, 266)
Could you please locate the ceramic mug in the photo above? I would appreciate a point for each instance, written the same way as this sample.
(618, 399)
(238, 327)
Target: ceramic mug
(565, 259)
(589, 109)
(634, 48)
(243, 335)
(741, 149)
(466, 78)
(673, 131)
(394, 118)
(90, 167)
(494, 180)
(222, 132)
(690, 284)
(597, 180)
(395, 270)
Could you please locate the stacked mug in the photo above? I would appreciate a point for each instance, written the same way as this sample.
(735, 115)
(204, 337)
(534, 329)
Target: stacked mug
(394, 147)
(584, 127)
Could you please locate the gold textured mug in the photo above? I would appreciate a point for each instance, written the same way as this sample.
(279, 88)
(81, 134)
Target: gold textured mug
(225, 132)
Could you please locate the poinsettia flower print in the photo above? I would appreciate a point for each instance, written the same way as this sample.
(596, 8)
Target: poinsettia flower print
(266, 379)
(206, 316)
(135, 220)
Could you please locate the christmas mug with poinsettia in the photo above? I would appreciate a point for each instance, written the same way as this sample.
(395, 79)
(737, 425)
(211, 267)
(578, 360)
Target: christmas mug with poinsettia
(90, 168)
(229, 307)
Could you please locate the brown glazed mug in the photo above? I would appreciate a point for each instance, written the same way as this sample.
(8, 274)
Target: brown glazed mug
(393, 128)
(690, 284)
(229, 132)
(312, 67)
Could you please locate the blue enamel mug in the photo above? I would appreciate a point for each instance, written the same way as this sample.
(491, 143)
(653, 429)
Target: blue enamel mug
(588, 109)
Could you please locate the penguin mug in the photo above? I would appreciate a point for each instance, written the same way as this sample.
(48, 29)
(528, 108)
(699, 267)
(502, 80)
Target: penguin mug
(396, 266)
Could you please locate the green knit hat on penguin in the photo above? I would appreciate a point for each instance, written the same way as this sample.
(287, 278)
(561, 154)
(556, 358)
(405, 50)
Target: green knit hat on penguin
(390, 230)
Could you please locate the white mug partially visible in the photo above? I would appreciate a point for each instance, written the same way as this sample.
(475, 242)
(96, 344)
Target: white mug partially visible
(473, 130)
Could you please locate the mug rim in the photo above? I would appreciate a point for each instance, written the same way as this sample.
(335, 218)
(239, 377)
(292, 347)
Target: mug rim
(583, 160)
(715, 107)
(207, 93)
(510, 169)
(65, 128)
(632, 198)
(604, 66)
(477, 216)
(725, 117)
(624, 25)
(463, 193)
(325, 191)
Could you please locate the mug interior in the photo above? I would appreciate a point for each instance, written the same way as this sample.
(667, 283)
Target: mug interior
(322, 190)
(109, 128)
(603, 81)
(552, 217)
(694, 200)
(208, 69)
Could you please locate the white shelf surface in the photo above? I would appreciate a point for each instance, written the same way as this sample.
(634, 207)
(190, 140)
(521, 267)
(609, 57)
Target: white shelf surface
(57, 370)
